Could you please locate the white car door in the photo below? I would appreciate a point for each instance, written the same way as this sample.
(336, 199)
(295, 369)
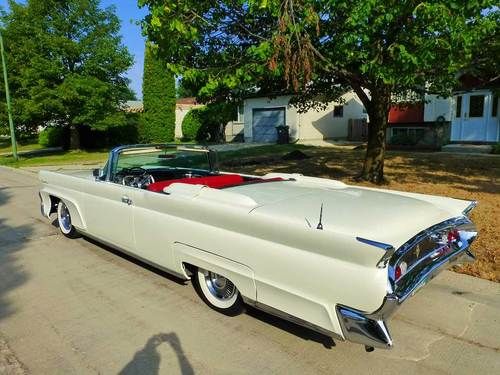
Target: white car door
(109, 213)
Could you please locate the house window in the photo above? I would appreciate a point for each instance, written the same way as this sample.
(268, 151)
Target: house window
(476, 106)
(494, 106)
(338, 111)
(406, 136)
(241, 112)
(458, 109)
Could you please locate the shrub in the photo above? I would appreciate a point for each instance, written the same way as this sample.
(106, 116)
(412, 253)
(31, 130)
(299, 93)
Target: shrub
(192, 123)
(495, 149)
(126, 133)
(207, 124)
(51, 137)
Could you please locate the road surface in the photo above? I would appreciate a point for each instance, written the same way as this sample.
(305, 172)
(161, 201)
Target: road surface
(77, 307)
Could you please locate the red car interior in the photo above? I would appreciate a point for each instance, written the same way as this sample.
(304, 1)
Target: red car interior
(216, 182)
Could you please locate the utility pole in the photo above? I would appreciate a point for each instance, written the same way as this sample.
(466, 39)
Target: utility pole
(7, 98)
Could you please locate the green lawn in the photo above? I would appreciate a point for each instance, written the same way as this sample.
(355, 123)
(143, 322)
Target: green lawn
(57, 158)
(23, 145)
(100, 156)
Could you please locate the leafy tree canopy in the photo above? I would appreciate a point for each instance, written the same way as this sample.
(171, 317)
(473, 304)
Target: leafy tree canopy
(319, 49)
(66, 64)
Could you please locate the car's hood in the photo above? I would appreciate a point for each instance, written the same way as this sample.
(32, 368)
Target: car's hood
(380, 215)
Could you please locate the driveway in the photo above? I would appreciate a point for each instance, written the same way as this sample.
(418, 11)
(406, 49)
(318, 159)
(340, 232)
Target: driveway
(75, 307)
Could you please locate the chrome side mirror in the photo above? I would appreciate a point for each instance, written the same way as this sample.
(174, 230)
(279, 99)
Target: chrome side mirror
(97, 173)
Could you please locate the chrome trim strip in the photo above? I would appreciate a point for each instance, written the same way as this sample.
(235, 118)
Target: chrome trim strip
(407, 283)
(380, 245)
(462, 255)
(283, 315)
(131, 254)
(469, 208)
(366, 329)
(382, 263)
(371, 329)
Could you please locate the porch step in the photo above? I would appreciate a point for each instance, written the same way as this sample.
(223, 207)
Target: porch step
(467, 148)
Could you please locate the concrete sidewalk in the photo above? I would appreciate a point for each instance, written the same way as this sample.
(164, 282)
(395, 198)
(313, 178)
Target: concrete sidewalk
(75, 306)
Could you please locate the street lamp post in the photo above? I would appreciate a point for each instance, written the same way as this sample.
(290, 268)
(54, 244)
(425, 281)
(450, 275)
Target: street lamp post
(7, 98)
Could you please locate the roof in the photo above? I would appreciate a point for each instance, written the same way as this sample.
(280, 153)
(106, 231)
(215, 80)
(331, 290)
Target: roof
(186, 101)
(133, 106)
(137, 106)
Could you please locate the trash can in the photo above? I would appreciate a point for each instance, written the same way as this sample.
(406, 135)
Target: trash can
(283, 134)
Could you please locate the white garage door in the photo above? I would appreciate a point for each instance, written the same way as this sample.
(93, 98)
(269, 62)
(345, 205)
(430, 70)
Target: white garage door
(264, 123)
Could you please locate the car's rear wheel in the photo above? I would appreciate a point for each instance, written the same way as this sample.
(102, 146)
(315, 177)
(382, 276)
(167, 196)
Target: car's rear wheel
(218, 292)
(64, 221)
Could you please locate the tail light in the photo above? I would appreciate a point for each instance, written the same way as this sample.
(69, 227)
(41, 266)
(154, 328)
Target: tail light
(453, 236)
(400, 270)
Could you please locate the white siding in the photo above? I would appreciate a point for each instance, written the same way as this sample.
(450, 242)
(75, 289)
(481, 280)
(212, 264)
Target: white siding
(261, 103)
(323, 125)
(436, 106)
(310, 125)
(180, 112)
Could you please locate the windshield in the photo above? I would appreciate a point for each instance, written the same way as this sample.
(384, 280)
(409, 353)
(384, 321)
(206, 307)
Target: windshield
(162, 157)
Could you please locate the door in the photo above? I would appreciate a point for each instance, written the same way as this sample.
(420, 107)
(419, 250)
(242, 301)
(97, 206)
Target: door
(109, 213)
(264, 123)
(470, 119)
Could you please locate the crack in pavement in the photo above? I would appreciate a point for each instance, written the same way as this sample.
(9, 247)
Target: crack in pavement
(456, 337)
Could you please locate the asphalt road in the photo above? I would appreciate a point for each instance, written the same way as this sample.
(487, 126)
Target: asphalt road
(74, 306)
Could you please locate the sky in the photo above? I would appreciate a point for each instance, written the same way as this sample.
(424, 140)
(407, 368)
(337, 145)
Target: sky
(129, 13)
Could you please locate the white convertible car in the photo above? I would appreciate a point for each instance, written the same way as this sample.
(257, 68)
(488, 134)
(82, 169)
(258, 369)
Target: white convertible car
(336, 258)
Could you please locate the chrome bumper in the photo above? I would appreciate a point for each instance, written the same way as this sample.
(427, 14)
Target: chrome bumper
(371, 329)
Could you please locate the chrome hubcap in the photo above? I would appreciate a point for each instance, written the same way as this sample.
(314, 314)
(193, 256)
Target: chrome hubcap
(65, 218)
(220, 287)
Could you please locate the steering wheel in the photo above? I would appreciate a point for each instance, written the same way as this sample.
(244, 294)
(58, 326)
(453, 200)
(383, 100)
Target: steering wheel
(139, 171)
(137, 177)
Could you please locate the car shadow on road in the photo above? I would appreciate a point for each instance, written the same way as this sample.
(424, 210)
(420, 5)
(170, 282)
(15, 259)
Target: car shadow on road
(132, 259)
(146, 361)
(12, 240)
(290, 327)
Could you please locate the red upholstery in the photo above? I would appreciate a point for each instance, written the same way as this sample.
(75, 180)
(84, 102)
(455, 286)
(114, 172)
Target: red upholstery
(216, 182)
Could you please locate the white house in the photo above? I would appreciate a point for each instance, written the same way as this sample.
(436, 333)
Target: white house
(262, 115)
(475, 117)
(182, 107)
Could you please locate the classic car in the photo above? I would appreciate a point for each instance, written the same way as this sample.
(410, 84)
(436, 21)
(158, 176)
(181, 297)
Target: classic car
(336, 258)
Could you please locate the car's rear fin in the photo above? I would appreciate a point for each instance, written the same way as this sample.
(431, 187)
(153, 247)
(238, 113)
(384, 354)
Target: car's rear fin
(389, 250)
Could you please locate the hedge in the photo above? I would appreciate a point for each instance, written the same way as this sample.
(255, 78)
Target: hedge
(51, 137)
(157, 123)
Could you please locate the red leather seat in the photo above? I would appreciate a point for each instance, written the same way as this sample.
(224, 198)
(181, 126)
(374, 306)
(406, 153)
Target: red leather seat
(215, 182)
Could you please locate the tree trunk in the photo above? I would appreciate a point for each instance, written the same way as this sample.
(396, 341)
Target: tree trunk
(74, 138)
(373, 167)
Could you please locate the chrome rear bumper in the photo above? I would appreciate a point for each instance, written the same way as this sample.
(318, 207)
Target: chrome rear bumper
(371, 329)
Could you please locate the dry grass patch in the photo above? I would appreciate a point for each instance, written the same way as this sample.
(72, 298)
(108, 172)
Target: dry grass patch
(471, 177)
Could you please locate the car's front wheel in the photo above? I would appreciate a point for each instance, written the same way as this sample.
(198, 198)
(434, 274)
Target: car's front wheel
(64, 221)
(218, 292)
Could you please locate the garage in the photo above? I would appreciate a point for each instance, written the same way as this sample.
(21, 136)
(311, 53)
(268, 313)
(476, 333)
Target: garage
(264, 123)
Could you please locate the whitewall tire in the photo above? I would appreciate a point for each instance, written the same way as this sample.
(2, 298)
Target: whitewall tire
(64, 221)
(218, 292)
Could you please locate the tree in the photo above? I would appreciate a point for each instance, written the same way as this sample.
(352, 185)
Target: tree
(158, 90)
(320, 49)
(208, 123)
(66, 65)
(184, 90)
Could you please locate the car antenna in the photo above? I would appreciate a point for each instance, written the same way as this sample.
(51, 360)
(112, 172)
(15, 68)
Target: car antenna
(320, 224)
(308, 223)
